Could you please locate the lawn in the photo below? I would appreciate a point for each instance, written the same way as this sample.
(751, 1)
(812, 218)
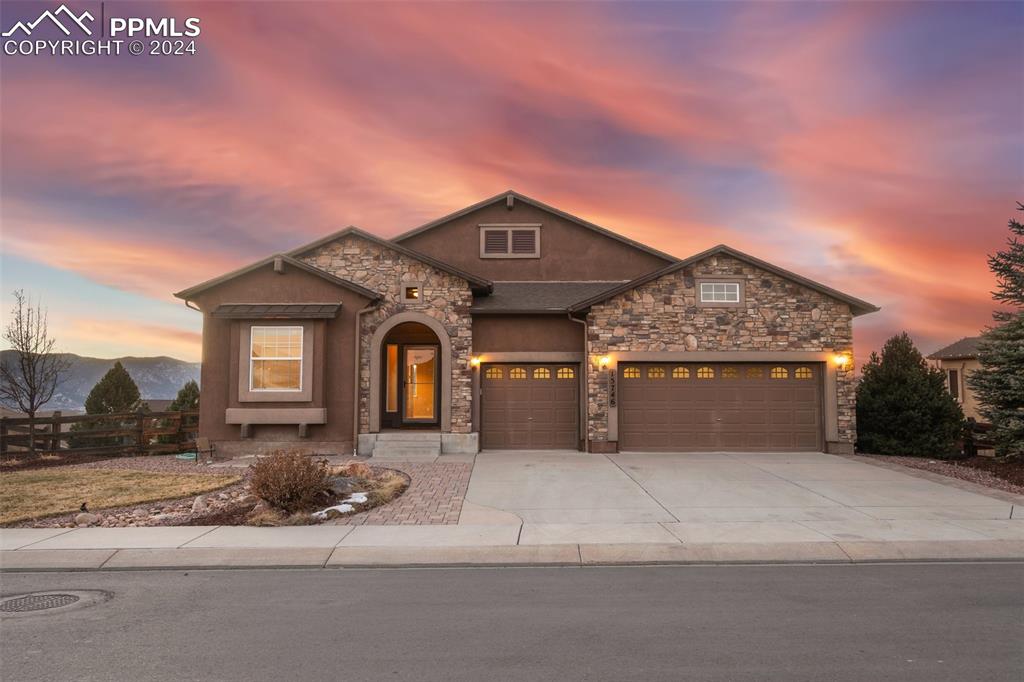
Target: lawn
(49, 492)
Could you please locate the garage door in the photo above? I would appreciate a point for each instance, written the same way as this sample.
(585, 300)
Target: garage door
(529, 406)
(715, 406)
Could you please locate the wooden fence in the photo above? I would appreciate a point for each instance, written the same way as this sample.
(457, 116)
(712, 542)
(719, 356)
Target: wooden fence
(128, 433)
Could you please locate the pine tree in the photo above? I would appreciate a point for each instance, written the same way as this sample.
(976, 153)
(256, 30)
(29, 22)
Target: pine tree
(999, 383)
(187, 398)
(115, 392)
(903, 407)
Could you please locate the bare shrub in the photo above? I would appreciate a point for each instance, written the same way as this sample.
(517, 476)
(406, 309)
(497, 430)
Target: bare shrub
(289, 480)
(355, 470)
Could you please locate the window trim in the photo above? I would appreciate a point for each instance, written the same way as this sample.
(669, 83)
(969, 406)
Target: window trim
(411, 301)
(508, 228)
(740, 283)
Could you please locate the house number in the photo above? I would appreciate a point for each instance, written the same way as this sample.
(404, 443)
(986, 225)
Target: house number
(613, 398)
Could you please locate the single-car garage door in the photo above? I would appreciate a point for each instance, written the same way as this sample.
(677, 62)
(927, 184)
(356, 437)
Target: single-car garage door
(718, 406)
(529, 406)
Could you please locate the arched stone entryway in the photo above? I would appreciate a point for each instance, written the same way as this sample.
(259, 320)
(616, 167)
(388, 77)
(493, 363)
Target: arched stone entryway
(444, 370)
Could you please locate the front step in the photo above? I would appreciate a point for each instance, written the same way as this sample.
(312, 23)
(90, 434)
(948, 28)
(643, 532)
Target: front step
(407, 446)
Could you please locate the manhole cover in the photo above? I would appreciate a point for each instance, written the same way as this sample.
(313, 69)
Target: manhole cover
(55, 601)
(37, 602)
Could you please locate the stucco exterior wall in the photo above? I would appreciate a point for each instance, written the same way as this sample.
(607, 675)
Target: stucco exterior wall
(444, 297)
(964, 368)
(663, 315)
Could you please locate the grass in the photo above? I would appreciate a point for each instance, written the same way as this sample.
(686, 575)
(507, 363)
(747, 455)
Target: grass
(50, 492)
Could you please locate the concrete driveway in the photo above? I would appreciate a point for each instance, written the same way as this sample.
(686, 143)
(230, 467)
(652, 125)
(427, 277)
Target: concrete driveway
(714, 497)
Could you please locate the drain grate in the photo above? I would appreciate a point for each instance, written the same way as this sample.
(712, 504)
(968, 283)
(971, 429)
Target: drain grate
(37, 602)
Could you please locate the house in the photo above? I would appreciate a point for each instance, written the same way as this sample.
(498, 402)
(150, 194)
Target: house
(511, 324)
(958, 360)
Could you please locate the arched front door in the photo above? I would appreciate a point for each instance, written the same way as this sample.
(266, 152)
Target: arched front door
(411, 365)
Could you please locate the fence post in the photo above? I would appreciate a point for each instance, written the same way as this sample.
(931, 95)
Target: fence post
(3, 436)
(140, 431)
(179, 437)
(54, 444)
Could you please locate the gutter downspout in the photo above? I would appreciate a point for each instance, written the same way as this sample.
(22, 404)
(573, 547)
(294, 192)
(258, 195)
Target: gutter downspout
(585, 374)
(356, 372)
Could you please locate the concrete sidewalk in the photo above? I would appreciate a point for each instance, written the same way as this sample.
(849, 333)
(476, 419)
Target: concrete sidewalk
(509, 545)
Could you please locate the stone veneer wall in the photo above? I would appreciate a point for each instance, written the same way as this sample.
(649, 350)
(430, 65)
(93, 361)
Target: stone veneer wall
(445, 297)
(662, 315)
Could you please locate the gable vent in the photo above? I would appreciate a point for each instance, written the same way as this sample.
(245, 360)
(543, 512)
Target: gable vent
(496, 241)
(524, 241)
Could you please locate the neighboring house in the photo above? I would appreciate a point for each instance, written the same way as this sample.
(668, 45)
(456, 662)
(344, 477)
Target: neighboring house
(512, 324)
(958, 360)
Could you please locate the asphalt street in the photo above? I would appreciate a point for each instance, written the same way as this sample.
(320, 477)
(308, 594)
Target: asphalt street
(833, 622)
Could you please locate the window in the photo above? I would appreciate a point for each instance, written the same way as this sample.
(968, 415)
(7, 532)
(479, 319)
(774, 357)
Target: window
(730, 373)
(779, 373)
(566, 373)
(706, 373)
(803, 373)
(655, 373)
(517, 373)
(392, 374)
(755, 373)
(631, 373)
(541, 373)
(680, 373)
(275, 359)
(954, 383)
(513, 240)
(494, 373)
(411, 294)
(720, 292)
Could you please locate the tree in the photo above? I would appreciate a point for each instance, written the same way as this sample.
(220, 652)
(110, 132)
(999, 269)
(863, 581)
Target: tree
(999, 383)
(31, 374)
(115, 392)
(903, 407)
(187, 398)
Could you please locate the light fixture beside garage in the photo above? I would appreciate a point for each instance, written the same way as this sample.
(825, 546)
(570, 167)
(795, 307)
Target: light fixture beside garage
(475, 361)
(841, 360)
(604, 361)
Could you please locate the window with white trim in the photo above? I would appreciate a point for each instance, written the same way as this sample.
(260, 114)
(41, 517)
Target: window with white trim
(510, 241)
(719, 292)
(275, 359)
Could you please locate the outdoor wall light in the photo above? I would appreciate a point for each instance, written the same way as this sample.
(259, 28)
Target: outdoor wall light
(604, 361)
(474, 361)
(841, 360)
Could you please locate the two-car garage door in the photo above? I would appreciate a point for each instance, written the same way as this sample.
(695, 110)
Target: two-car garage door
(718, 406)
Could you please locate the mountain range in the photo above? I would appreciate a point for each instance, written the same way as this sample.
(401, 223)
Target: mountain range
(158, 378)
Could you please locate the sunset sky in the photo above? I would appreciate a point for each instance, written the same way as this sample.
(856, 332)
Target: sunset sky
(875, 147)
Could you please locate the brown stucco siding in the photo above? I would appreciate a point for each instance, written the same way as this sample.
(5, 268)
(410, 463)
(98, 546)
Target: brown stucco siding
(663, 315)
(526, 333)
(445, 297)
(333, 369)
(568, 251)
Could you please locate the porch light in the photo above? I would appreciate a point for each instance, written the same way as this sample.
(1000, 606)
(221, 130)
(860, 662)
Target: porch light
(604, 361)
(841, 360)
(474, 361)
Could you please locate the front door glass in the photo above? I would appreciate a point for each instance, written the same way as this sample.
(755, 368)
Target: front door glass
(420, 377)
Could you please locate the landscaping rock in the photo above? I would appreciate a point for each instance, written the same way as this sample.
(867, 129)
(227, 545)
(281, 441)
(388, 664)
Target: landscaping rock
(340, 485)
(86, 519)
(199, 504)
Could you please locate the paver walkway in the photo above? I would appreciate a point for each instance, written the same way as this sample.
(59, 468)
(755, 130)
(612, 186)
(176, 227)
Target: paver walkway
(434, 497)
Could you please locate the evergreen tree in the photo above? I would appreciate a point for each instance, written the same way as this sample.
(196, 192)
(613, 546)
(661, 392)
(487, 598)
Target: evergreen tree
(903, 407)
(999, 384)
(187, 399)
(115, 392)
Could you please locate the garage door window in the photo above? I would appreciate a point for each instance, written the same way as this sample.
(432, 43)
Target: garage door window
(730, 373)
(517, 373)
(779, 373)
(566, 373)
(706, 373)
(680, 373)
(631, 373)
(655, 373)
(541, 373)
(755, 373)
(494, 373)
(803, 373)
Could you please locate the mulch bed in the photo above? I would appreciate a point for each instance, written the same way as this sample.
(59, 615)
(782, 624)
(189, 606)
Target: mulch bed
(986, 471)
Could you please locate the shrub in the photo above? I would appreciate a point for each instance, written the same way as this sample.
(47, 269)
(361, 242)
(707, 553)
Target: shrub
(289, 480)
(903, 407)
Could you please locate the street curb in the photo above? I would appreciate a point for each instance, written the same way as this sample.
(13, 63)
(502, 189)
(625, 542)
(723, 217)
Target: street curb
(520, 556)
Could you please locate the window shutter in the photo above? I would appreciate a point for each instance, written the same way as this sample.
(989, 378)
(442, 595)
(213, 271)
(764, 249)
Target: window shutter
(524, 241)
(495, 241)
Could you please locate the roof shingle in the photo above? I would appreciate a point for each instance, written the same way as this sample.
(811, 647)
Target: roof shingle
(966, 347)
(537, 297)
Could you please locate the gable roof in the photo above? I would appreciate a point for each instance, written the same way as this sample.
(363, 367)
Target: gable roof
(544, 207)
(964, 349)
(285, 258)
(536, 297)
(857, 306)
(474, 280)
